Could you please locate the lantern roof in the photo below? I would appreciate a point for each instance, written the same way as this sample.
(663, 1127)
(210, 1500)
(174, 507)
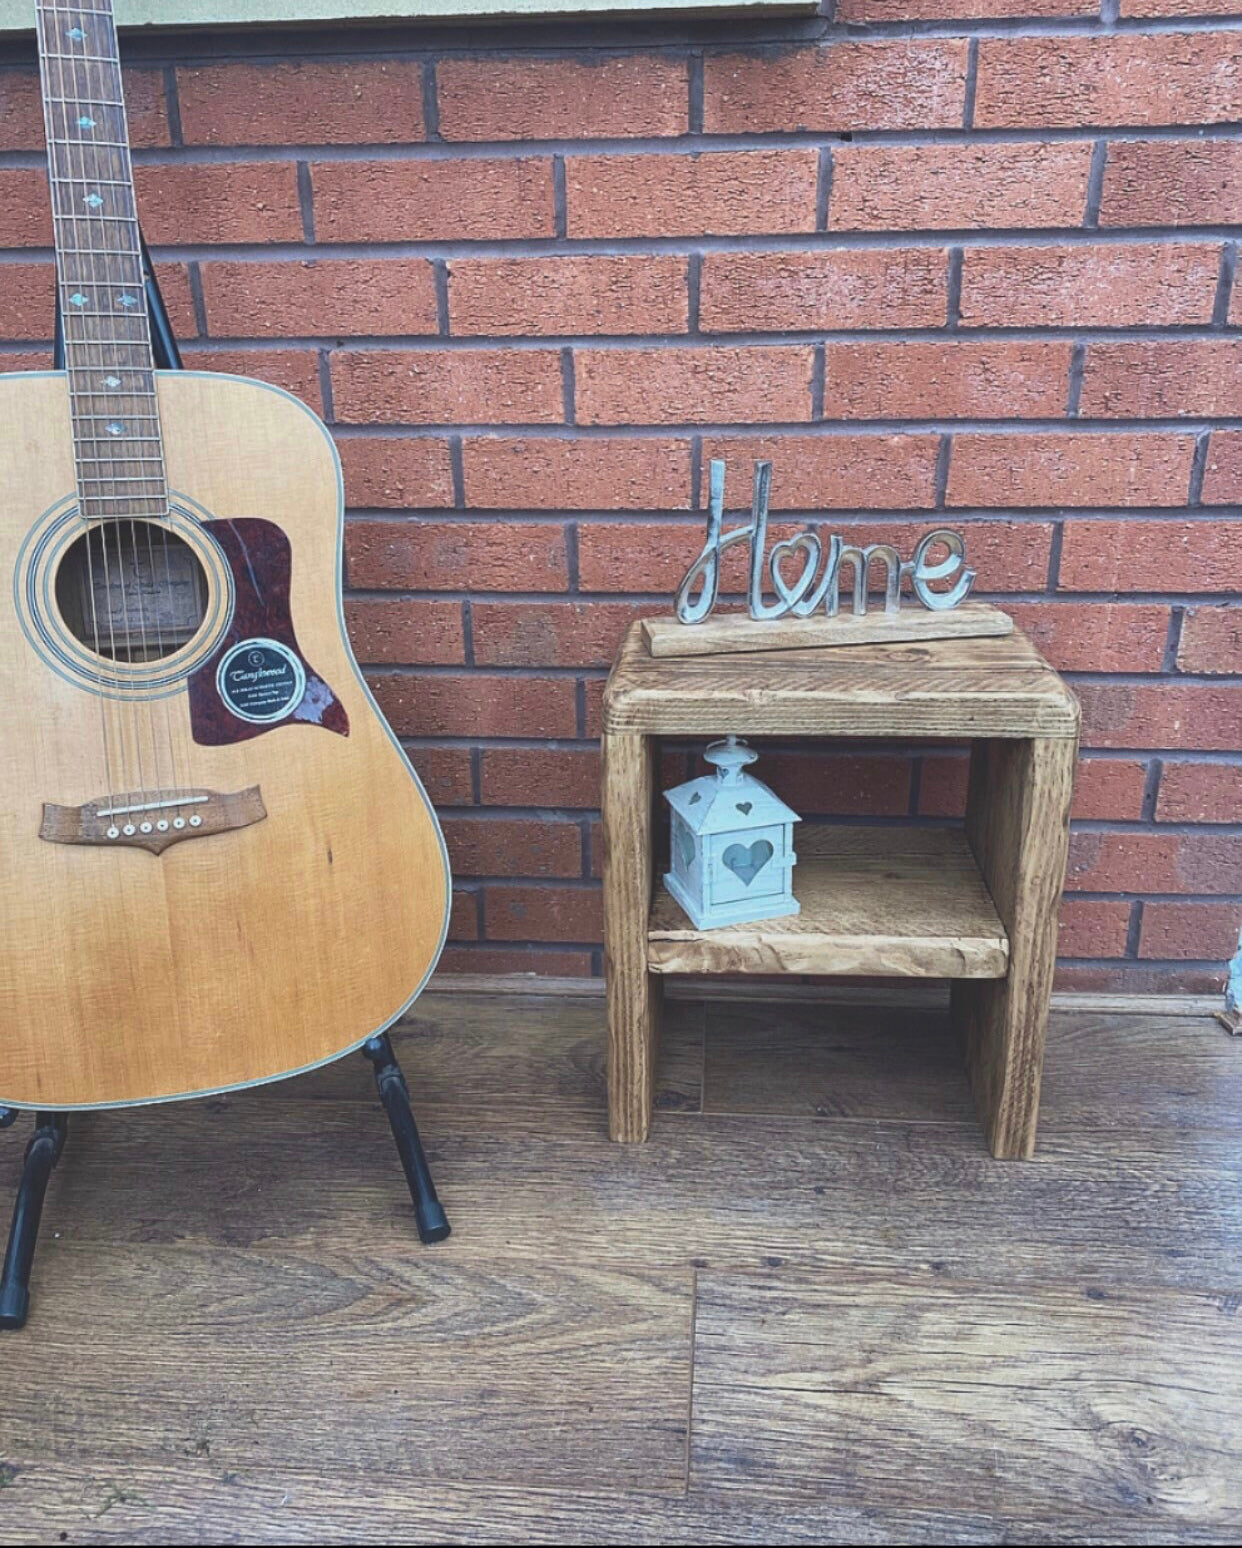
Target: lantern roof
(730, 800)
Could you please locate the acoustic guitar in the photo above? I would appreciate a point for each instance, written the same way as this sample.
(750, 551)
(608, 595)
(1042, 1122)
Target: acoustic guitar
(217, 866)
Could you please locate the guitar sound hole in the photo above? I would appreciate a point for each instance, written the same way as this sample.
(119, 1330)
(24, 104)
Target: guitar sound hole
(131, 591)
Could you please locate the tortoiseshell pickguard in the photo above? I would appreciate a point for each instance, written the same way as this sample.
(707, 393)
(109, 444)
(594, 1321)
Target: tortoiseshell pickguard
(259, 555)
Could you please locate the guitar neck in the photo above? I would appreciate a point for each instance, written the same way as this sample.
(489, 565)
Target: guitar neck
(116, 430)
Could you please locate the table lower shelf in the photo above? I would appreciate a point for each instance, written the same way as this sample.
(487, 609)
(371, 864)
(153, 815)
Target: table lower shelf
(882, 901)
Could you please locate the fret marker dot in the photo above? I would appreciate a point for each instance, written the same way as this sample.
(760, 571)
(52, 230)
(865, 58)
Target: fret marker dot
(86, 123)
(77, 299)
(115, 428)
(75, 34)
(93, 200)
(112, 381)
(127, 300)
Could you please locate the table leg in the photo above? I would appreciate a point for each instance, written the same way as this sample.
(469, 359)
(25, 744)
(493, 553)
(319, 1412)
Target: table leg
(633, 994)
(1017, 821)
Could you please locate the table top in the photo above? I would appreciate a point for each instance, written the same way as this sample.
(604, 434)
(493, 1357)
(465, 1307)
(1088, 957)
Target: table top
(955, 688)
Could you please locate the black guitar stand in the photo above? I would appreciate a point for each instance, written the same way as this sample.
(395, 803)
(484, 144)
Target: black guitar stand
(52, 1129)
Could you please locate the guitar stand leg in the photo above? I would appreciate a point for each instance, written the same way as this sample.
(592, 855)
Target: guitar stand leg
(429, 1213)
(42, 1154)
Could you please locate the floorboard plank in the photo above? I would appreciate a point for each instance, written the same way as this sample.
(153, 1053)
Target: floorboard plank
(871, 1062)
(1158, 1207)
(399, 1364)
(1118, 1406)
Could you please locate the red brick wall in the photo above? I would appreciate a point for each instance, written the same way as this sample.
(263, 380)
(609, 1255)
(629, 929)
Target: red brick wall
(978, 269)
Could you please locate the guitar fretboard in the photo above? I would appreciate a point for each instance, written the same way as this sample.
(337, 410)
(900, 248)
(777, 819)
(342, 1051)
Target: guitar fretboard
(116, 429)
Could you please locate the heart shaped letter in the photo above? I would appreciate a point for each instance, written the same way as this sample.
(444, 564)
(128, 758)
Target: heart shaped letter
(747, 863)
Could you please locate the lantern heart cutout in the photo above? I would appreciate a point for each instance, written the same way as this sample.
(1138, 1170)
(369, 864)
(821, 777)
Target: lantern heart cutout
(744, 807)
(747, 863)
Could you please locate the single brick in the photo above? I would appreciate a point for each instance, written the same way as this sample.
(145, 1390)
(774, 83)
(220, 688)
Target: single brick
(325, 296)
(596, 97)
(512, 846)
(1172, 183)
(1179, 7)
(294, 370)
(942, 10)
(1095, 636)
(382, 471)
(517, 913)
(504, 473)
(561, 634)
(716, 385)
(1126, 79)
(25, 208)
(209, 202)
(1105, 789)
(708, 193)
(1211, 640)
(837, 472)
(28, 300)
(1178, 716)
(1151, 555)
(593, 691)
(628, 293)
(1099, 285)
(1092, 927)
(1129, 978)
(848, 288)
(1199, 792)
(456, 555)
(650, 556)
(1162, 379)
(17, 360)
(1196, 931)
(385, 630)
(840, 86)
(947, 379)
(1160, 861)
(1051, 469)
(1222, 479)
(21, 108)
(951, 187)
(463, 916)
(447, 386)
(446, 774)
(476, 705)
(425, 201)
(541, 776)
(302, 102)
(819, 784)
(518, 962)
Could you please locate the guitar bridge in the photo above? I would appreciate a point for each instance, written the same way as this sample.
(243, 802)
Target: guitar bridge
(152, 820)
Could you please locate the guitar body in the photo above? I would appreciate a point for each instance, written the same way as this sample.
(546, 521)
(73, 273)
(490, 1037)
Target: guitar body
(239, 953)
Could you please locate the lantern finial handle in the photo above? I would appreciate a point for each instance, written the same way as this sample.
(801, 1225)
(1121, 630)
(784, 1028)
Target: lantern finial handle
(730, 757)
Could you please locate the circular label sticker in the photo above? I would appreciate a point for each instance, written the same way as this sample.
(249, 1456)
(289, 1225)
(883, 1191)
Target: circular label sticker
(261, 680)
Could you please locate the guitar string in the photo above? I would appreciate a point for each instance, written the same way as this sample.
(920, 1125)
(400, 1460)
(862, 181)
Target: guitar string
(167, 709)
(109, 525)
(47, 21)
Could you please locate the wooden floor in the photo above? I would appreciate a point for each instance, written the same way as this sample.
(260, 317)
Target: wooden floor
(812, 1309)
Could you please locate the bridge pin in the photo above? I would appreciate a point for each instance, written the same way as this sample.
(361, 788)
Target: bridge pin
(129, 830)
(178, 822)
(145, 827)
(162, 825)
(196, 822)
(114, 832)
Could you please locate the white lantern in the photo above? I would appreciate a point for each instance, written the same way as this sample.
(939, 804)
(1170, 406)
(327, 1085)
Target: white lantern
(732, 844)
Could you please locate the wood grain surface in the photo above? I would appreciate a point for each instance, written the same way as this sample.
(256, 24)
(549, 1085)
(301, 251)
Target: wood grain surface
(946, 688)
(811, 1313)
(883, 901)
(729, 633)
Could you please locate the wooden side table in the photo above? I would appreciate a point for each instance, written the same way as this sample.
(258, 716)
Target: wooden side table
(978, 906)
